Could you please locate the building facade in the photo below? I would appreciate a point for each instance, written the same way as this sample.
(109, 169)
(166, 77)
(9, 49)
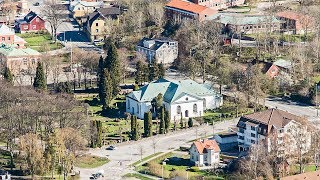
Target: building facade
(81, 9)
(19, 60)
(161, 50)
(179, 10)
(247, 24)
(97, 24)
(8, 37)
(30, 23)
(183, 99)
(205, 153)
(277, 130)
(296, 23)
(218, 4)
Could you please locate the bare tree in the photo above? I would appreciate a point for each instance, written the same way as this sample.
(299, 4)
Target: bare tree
(154, 143)
(141, 151)
(54, 13)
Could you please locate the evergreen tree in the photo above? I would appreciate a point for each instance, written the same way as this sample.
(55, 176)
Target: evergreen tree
(139, 73)
(109, 87)
(153, 71)
(181, 122)
(112, 63)
(99, 133)
(103, 90)
(190, 122)
(161, 71)
(147, 124)
(162, 121)
(100, 78)
(167, 121)
(134, 130)
(40, 79)
(7, 75)
(145, 75)
(64, 87)
(136, 87)
(93, 137)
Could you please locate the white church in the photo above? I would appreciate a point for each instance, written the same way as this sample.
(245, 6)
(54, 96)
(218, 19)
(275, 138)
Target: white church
(184, 98)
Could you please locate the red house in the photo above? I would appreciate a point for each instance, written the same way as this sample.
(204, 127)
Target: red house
(30, 23)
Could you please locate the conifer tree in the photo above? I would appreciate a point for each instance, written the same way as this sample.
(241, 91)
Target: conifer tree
(134, 130)
(7, 75)
(161, 71)
(153, 71)
(139, 73)
(147, 124)
(112, 63)
(108, 87)
(162, 121)
(190, 122)
(100, 78)
(167, 121)
(40, 79)
(99, 133)
(181, 121)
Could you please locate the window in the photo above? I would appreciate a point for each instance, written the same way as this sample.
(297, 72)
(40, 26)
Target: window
(241, 137)
(97, 30)
(3, 38)
(195, 108)
(253, 128)
(25, 61)
(33, 61)
(253, 141)
(253, 135)
(178, 109)
(34, 26)
(187, 98)
(97, 24)
(9, 38)
(280, 130)
(79, 9)
(138, 108)
(25, 27)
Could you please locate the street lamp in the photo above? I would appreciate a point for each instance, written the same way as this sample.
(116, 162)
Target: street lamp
(187, 169)
(163, 164)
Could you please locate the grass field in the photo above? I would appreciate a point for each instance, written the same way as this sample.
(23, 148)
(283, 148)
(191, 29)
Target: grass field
(135, 175)
(146, 158)
(88, 161)
(39, 42)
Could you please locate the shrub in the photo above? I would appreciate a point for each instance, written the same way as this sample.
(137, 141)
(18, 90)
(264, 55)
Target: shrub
(178, 173)
(194, 169)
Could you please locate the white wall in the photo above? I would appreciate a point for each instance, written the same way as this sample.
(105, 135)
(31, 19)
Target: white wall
(186, 106)
(213, 102)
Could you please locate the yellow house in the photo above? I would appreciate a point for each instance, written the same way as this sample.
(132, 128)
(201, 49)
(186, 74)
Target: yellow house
(84, 8)
(99, 21)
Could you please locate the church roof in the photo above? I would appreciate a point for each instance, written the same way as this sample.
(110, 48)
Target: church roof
(171, 90)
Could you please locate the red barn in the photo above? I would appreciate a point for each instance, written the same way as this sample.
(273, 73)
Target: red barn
(30, 23)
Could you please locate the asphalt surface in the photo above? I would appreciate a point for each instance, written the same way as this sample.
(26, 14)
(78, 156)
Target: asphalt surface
(130, 153)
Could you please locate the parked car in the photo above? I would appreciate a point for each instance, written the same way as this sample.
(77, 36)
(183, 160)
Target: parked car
(36, 4)
(111, 148)
(96, 175)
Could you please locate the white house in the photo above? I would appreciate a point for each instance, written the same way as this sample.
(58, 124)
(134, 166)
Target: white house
(183, 99)
(276, 129)
(205, 152)
(162, 50)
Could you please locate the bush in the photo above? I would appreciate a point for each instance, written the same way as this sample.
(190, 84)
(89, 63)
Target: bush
(194, 169)
(156, 170)
(178, 173)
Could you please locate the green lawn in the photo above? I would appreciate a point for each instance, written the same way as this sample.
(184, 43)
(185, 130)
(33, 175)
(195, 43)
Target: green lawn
(146, 158)
(308, 168)
(39, 42)
(135, 175)
(88, 161)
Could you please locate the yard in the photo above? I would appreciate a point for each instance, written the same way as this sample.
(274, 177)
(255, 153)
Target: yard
(176, 165)
(88, 161)
(41, 42)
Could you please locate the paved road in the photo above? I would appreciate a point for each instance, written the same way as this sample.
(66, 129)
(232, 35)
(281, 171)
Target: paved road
(130, 153)
(296, 108)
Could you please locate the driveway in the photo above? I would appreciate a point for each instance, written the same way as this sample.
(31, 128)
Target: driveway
(128, 153)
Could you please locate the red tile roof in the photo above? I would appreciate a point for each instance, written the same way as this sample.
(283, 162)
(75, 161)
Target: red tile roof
(203, 145)
(301, 20)
(187, 6)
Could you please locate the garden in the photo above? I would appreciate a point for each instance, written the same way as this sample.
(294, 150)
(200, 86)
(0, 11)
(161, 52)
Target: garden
(41, 42)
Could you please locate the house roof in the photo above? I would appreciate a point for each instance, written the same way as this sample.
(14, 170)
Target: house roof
(11, 51)
(306, 176)
(270, 118)
(30, 16)
(5, 30)
(227, 134)
(156, 43)
(204, 145)
(104, 13)
(171, 90)
(244, 20)
(187, 6)
(86, 4)
(283, 63)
